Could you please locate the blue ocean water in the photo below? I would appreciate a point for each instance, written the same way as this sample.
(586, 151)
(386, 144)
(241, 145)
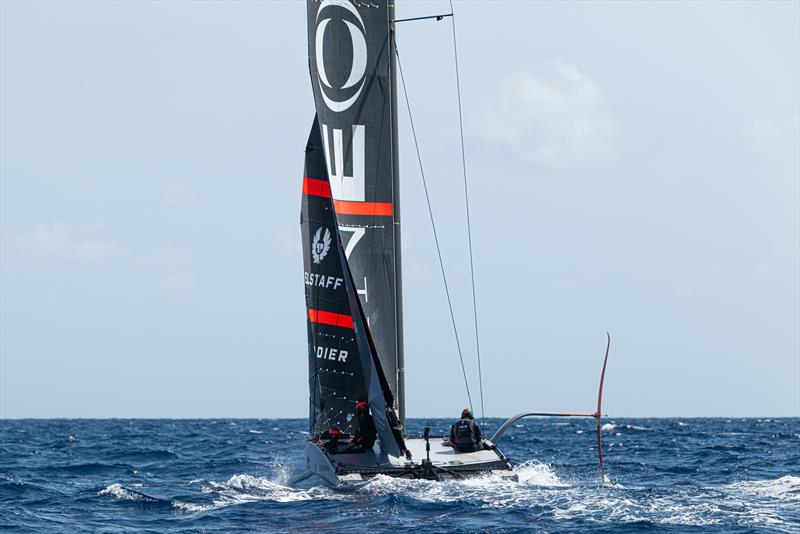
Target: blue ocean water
(664, 475)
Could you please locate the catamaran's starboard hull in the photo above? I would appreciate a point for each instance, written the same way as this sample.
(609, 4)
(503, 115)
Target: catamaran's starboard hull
(338, 469)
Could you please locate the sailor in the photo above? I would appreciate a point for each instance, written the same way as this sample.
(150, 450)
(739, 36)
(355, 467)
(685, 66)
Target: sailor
(332, 436)
(465, 434)
(365, 433)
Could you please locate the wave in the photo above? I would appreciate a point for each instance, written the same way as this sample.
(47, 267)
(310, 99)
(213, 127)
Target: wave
(121, 493)
(245, 488)
(489, 489)
(89, 468)
(785, 488)
(608, 427)
(241, 489)
(147, 455)
(11, 485)
(534, 473)
(748, 504)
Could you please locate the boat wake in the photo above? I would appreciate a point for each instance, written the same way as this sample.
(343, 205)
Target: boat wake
(243, 488)
(538, 488)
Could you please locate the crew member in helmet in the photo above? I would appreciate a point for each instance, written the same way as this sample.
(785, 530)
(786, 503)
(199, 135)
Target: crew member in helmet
(465, 434)
(331, 440)
(364, 433)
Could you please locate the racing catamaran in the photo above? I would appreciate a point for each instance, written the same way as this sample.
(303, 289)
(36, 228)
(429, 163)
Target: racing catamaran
(351, 251)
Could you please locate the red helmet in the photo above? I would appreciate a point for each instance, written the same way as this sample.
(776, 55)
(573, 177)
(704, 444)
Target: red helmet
(466, 413)
(361, 405)
(334, 432)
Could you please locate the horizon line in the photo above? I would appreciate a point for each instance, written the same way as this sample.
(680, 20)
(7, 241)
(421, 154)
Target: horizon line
(241, 418)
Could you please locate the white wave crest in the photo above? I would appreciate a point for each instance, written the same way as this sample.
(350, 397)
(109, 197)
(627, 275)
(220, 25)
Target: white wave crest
(240, 489)
(121, 493)
(192, 508)
(746, 503)
(533, 473)
(785, 489)
(490, 490)
(750, 504)
(608, 427)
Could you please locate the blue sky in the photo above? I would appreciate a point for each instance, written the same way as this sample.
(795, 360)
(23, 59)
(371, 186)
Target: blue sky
(634, 167)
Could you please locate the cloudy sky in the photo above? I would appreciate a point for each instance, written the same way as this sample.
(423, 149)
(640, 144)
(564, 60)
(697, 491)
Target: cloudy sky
(634, 167)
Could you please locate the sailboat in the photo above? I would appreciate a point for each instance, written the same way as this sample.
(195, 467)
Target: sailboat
(351, 227)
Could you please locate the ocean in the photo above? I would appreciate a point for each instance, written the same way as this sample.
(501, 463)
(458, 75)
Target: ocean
(230, 475)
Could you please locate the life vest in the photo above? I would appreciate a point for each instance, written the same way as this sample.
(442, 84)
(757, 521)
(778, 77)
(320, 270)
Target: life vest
(465, 435)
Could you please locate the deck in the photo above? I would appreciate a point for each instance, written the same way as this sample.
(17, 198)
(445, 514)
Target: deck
(442, 456)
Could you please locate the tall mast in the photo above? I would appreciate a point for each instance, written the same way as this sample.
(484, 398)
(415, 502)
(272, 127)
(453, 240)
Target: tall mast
(401, 382)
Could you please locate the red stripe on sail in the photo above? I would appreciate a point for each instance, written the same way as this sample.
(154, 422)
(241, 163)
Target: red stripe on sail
(321, 188)
(330, 318)
(317, 188)
(344, 207)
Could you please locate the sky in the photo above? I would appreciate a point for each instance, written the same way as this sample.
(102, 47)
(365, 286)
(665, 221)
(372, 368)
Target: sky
(633, 168)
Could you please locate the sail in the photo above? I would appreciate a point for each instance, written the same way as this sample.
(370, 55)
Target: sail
(352, 74)
(343, 365)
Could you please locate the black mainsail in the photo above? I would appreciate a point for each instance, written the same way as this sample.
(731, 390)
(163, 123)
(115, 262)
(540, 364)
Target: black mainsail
(352, 74)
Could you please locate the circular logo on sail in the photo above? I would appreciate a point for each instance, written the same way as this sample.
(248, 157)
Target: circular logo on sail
(320, 245)
(336, 98)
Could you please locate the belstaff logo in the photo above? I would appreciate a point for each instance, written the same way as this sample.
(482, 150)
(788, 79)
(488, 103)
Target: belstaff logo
(320, 245)
(355, 81)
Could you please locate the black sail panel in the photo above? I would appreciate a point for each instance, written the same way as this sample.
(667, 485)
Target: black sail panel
(351, 64)
(343, 367)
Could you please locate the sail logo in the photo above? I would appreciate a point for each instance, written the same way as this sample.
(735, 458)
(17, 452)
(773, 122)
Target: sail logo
(344, 187)
(354, 84)
(322, 280)
(334, 355)
(320, 245)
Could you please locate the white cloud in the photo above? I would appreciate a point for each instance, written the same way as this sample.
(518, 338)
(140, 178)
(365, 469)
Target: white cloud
(763, 136)
(175, 193)
(166, 269)
(776, 139)
(763, 132)
(559, 118)
(59, 239)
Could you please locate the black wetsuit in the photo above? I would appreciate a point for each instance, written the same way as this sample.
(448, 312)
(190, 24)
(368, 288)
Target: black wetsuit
(332, 442)
(465, 436)
(365, 433)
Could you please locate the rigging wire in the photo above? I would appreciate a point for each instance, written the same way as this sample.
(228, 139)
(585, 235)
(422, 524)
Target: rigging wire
(433, 225)
(466, 201)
